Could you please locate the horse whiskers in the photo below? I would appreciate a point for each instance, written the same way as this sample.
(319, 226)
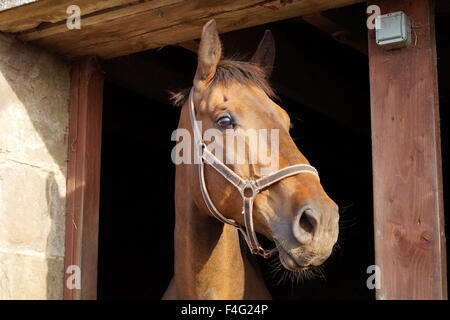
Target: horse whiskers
(348, 222)
(340, 241)
(277, 270)
(345, 221)
(343, 209)
(337, 246)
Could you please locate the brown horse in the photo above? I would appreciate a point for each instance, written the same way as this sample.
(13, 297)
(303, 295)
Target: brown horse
(295, 212)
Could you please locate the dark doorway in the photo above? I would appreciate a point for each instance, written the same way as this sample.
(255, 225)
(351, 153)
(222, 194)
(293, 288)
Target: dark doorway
(136, 196)
(322, 83)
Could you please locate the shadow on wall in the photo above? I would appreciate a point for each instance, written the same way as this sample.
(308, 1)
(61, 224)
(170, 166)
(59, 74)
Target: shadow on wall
(34, 91)
(41, 83)
(56, 236)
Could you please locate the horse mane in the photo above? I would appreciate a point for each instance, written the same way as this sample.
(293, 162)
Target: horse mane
(228, 70)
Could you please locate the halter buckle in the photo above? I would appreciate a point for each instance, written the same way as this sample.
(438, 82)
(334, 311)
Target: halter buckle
(248, 185)
(263, 253)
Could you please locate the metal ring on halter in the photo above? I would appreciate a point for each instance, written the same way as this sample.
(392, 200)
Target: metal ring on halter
(249, 185)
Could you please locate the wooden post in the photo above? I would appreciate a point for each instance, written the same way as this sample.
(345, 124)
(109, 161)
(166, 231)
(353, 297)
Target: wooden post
(407, 171)
(83, 177)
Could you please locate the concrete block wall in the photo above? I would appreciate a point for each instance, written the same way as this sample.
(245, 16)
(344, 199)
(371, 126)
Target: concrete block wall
(34, 100)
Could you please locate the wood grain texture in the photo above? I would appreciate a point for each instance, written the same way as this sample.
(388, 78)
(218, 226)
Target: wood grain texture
(83, 176)
(51, 11)
(155, 24)
(407, 173)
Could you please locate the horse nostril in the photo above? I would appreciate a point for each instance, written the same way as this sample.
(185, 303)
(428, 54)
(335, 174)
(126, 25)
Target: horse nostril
(308, 222)
(307, 226)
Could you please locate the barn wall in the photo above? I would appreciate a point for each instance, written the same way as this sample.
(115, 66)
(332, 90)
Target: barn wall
(34, 96)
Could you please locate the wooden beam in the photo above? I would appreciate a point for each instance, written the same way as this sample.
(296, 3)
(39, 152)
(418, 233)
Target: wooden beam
(407, 169)
(190, 45)
(339, 33)
(32, 15)
(83, 176)
(158, 23)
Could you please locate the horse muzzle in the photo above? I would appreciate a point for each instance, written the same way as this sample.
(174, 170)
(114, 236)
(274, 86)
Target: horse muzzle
(308, 241)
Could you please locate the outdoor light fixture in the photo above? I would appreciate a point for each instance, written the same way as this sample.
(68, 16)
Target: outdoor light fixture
(393, 30)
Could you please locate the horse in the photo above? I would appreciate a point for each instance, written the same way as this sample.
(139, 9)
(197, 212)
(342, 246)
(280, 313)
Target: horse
(218, 204)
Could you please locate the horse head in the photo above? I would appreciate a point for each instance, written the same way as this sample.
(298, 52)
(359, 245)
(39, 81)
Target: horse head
(232, 98)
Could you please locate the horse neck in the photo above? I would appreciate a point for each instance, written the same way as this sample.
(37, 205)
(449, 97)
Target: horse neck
(208, 259)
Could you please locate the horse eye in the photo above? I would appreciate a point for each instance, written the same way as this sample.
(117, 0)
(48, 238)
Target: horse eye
(224, 121)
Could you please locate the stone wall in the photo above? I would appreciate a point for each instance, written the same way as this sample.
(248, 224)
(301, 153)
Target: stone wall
(34, 99)
(8, 4)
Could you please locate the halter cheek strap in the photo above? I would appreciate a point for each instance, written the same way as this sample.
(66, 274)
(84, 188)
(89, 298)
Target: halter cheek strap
(247, 188)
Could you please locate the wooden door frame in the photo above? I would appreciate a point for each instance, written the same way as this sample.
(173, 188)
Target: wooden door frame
(83, 178)
(395, 231)
(408, 200)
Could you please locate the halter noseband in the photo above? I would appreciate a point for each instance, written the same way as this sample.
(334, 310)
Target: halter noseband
(255, 186)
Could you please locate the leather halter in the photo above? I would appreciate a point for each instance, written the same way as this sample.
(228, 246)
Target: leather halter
(244, 186)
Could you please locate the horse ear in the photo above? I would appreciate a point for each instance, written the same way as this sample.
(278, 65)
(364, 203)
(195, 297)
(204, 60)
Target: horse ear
(209, 54)
(265, 54)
